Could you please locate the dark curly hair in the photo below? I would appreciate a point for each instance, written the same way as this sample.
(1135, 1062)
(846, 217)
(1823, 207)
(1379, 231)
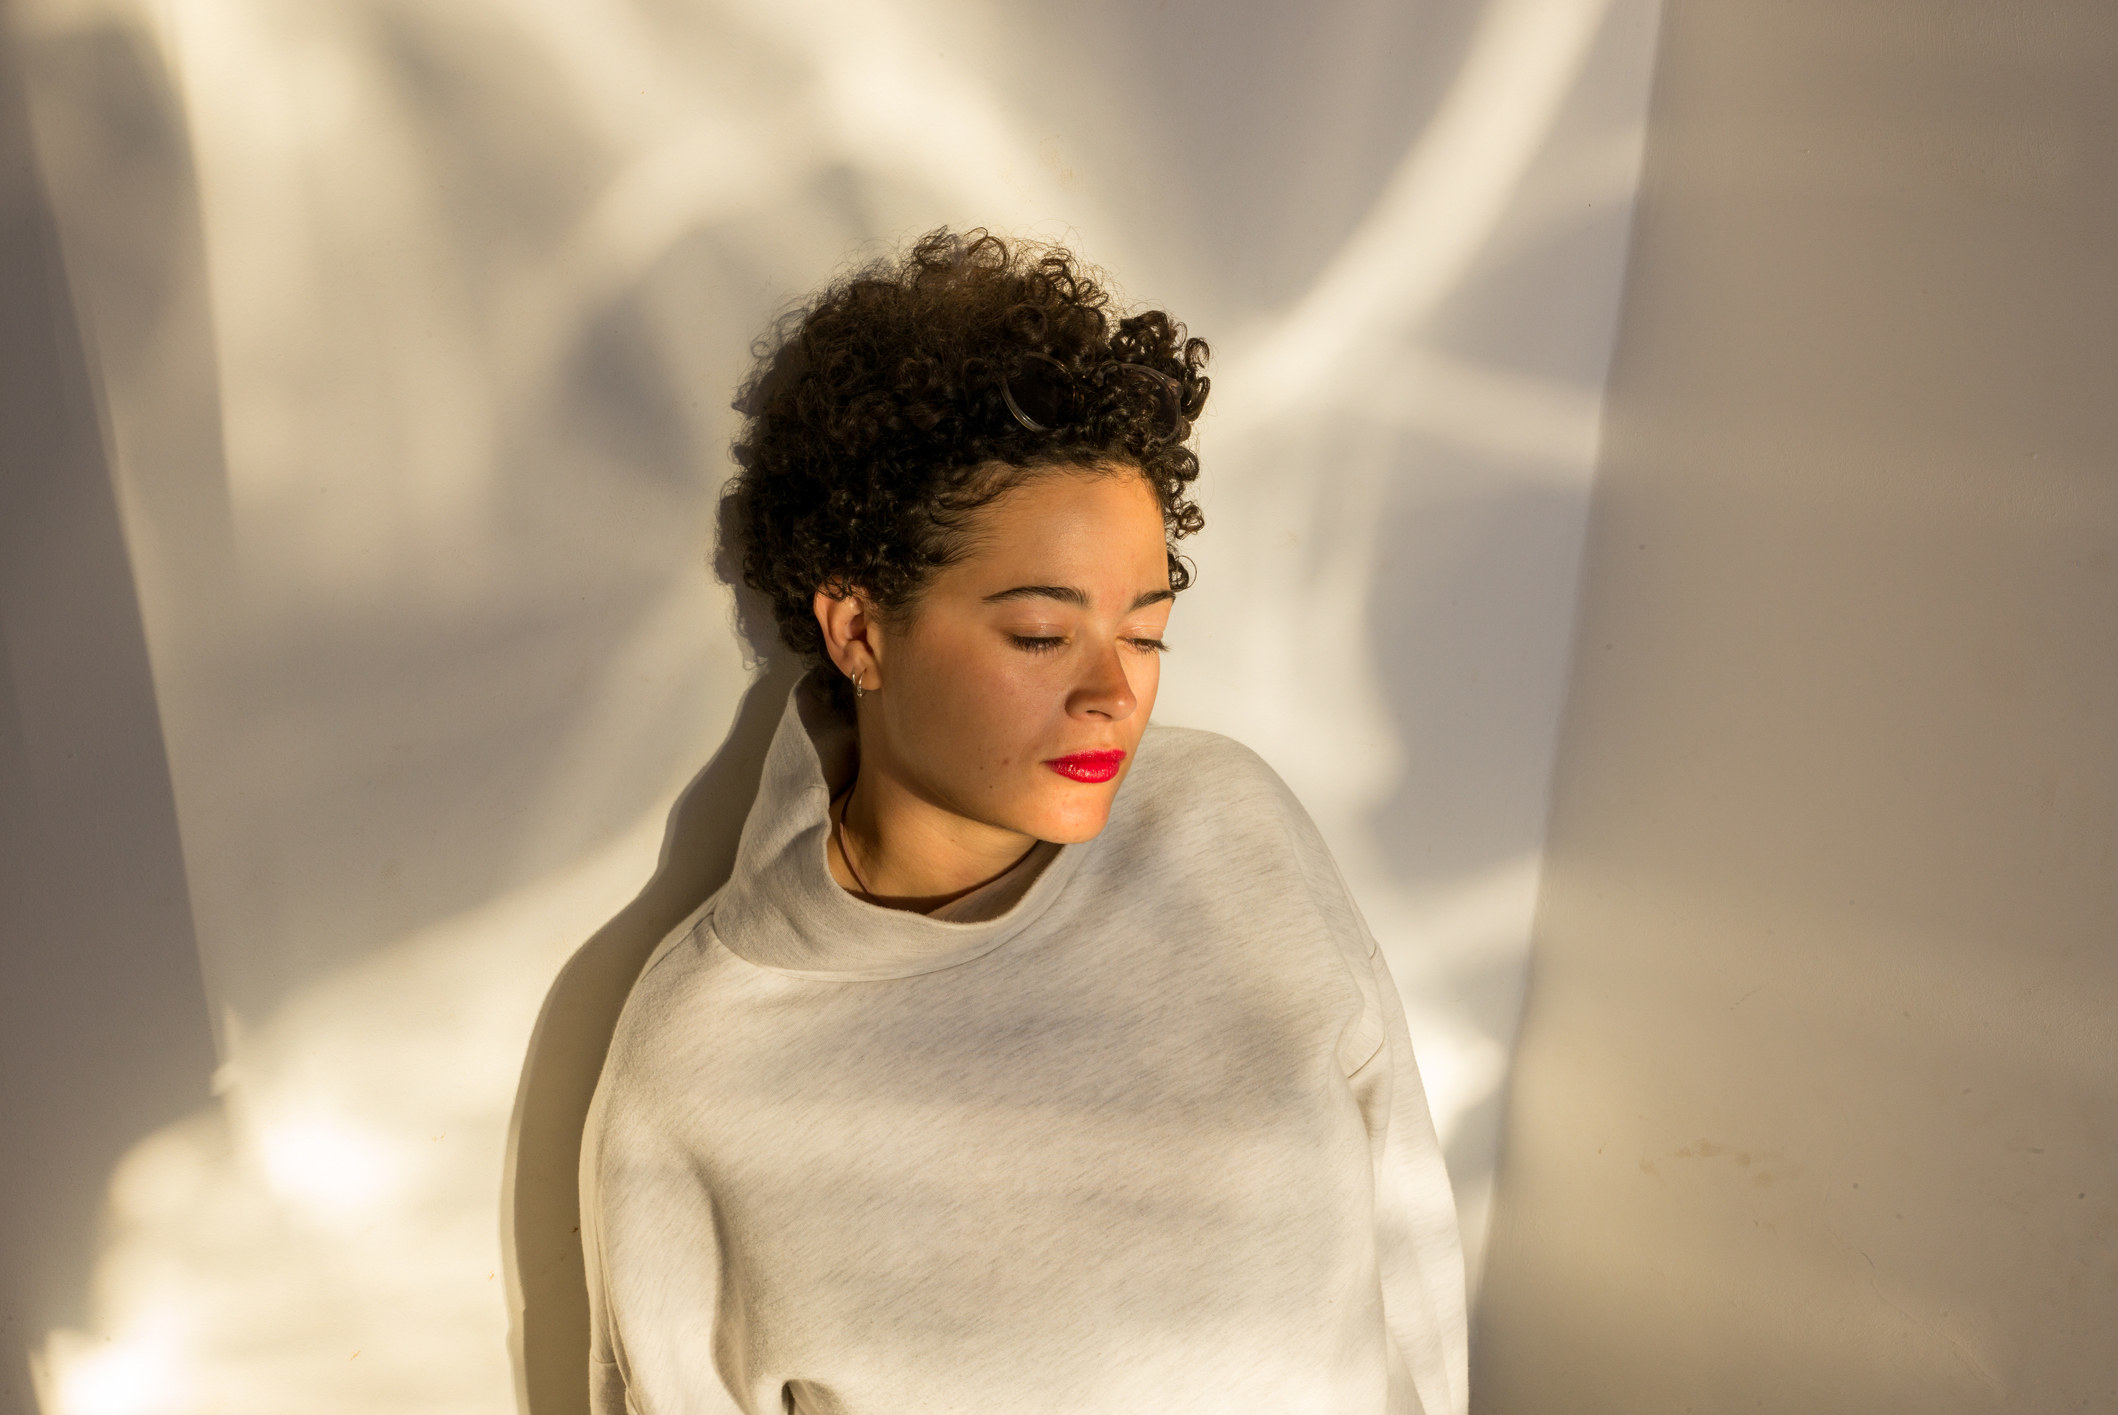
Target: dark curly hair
(875, 423)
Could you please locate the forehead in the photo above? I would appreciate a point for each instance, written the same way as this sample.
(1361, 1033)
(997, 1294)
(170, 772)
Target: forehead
(1088, 520)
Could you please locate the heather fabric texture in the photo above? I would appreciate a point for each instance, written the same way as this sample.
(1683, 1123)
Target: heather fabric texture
(1152, 1138)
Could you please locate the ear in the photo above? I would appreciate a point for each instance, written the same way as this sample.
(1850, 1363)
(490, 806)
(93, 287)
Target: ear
(852, 633)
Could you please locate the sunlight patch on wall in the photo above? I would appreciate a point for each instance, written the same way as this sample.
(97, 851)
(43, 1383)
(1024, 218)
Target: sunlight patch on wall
(139, 1373)
(1437, 212)
(329, 1168)
(332, 1228)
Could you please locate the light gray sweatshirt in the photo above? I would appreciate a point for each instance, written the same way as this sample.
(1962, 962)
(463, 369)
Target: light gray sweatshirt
(1151, 1139)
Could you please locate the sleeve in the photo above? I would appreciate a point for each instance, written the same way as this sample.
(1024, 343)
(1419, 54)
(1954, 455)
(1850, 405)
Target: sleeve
(606, 1379)
(1419, 1247)
(653, 1262)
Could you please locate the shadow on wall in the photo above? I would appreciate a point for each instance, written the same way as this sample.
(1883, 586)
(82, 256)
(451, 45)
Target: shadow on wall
(541, 1226)
(103, 1023)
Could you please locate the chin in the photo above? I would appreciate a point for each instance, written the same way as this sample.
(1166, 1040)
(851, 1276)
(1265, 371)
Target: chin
(1072, 822)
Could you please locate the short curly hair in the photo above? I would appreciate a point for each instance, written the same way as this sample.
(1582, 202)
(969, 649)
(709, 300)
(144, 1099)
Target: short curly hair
(875, 423)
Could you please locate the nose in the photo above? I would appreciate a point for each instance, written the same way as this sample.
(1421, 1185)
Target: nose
(1102, 690)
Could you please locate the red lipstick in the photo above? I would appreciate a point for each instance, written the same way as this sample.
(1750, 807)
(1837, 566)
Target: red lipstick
(1088, 766)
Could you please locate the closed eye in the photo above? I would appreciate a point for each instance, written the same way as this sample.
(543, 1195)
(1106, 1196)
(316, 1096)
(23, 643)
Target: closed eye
(1036, 643)
(1045, 643)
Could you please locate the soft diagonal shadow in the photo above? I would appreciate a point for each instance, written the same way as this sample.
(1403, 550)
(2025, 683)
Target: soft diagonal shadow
(540, 1214)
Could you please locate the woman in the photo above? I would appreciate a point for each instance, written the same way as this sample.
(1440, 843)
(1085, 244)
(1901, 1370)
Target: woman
(1032, 1059)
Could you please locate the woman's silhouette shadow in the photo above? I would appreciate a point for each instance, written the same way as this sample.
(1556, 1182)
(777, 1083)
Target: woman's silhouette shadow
(540, 1208)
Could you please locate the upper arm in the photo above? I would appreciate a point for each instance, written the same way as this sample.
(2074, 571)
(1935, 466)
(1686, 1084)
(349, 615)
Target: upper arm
(653, 1262)
(1419, 1247)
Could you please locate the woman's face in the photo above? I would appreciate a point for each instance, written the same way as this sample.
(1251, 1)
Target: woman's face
(1015, 691)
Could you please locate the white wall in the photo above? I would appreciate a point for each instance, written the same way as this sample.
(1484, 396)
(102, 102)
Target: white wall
(1817, 1102)
(414, 327)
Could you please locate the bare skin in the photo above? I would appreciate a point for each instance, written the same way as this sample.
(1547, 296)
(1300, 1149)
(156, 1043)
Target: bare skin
(1041, 643)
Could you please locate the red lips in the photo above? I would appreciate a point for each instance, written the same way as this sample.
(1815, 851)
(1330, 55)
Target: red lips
(1088, 766)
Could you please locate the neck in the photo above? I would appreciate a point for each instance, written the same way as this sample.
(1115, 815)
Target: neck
(911, 852)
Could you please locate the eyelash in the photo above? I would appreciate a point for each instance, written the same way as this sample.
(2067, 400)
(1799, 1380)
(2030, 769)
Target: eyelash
(1033, 644)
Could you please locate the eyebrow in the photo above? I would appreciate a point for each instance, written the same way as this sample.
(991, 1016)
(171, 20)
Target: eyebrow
(1067, 594)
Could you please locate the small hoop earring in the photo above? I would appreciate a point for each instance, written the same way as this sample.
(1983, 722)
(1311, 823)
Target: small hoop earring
(858, 691)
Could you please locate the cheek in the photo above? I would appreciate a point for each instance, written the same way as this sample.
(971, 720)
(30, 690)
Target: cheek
(974, 704)
(1145, 675)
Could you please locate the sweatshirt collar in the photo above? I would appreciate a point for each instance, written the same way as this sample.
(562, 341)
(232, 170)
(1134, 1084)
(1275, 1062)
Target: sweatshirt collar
(781, 908)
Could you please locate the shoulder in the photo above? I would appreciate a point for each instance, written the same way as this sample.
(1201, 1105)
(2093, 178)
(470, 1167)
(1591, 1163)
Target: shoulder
(1194, 788)
(1203, 765)
(687, 978)
(1200, 796)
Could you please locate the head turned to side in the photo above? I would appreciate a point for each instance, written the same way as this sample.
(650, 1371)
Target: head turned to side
(962, 478)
